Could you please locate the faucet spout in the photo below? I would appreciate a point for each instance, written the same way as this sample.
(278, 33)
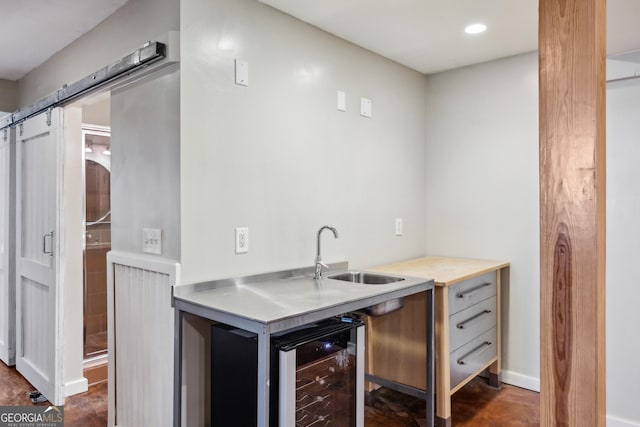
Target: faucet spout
(319, 263)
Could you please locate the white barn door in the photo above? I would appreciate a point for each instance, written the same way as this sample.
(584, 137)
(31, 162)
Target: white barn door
(7, 242)
(38, 293)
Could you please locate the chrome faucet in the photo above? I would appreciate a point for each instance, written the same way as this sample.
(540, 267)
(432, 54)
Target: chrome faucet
(319, 263)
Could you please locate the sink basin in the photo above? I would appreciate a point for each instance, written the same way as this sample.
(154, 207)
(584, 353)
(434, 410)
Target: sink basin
(366, 278)
(383, 308)
(373, 279)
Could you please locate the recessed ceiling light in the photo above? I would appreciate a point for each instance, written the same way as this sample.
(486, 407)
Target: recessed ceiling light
(475, 29)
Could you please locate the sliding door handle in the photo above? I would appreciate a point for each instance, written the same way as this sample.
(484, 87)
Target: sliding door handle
(44, 243)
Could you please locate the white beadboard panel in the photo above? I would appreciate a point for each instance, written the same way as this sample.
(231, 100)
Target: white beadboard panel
(4, 318)
(36, 191)
(141, 331)
(37, 341)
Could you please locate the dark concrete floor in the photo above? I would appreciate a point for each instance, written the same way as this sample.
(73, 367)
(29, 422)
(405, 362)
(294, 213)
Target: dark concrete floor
(475, 405)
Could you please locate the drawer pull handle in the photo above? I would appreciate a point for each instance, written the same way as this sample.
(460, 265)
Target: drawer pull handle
(472, 291)
(462, 324)
(464, 360)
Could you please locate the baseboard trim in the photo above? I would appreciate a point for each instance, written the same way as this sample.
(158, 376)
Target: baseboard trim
(96, 372)
(76, 387)
(522, 381)
(619, 422)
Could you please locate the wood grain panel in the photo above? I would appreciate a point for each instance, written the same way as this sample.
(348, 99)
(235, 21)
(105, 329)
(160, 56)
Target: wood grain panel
(496, 368)
(443, 375)
(398, 342)
(572, 211)
(445, 271)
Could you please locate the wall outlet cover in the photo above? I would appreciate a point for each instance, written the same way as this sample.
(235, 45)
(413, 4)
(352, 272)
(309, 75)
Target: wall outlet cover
(242, 240)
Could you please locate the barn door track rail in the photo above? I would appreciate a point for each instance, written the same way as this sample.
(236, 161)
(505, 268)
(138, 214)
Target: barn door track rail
(149, 53)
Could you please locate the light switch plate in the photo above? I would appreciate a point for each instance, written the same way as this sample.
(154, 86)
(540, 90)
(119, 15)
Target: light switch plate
(399, 226)
(242, 72)
(152, 241)
(242, 240)
(366, 106)
(342, 101)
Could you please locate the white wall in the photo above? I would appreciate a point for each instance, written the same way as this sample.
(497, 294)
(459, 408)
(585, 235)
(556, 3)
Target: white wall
(623, 248)
(132, 25)
(135, 23)
(482, 163)
(482, 187)
(145, 162)
(278, 157)
(98, 112)
(8, 95)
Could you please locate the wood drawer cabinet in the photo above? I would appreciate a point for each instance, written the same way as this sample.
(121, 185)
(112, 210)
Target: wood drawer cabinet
(467, 328)
(471, 322)
(472, 357)
(471, 291)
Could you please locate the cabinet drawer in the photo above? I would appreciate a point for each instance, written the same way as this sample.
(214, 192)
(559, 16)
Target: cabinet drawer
(465, 294)
(472, 356)
(468, 324)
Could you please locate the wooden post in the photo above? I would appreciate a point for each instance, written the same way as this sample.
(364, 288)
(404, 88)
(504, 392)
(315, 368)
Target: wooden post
(572, 212)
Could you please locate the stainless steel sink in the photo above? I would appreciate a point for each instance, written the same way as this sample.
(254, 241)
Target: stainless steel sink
(366, 278)
(383, 308)
(373, 279)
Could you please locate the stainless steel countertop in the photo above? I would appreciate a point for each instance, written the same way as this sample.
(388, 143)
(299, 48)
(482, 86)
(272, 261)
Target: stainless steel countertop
(277, 301)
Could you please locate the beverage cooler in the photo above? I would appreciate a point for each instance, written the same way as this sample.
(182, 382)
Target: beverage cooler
(317, 375)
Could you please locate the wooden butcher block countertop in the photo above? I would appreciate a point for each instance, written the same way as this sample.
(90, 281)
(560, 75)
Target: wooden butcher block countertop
(444, 270)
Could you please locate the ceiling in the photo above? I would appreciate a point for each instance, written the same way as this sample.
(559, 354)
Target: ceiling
(33, 30)
(426, 35)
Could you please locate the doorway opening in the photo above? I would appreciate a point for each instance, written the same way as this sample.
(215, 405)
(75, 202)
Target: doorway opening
(96, 146)
(97, 199)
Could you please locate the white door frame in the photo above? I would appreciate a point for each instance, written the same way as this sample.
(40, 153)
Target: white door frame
(51, 383)
(7, 247)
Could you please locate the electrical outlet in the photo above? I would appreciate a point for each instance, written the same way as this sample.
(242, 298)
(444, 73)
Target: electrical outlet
(152, 241)
(398, 226)
(242, 240)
